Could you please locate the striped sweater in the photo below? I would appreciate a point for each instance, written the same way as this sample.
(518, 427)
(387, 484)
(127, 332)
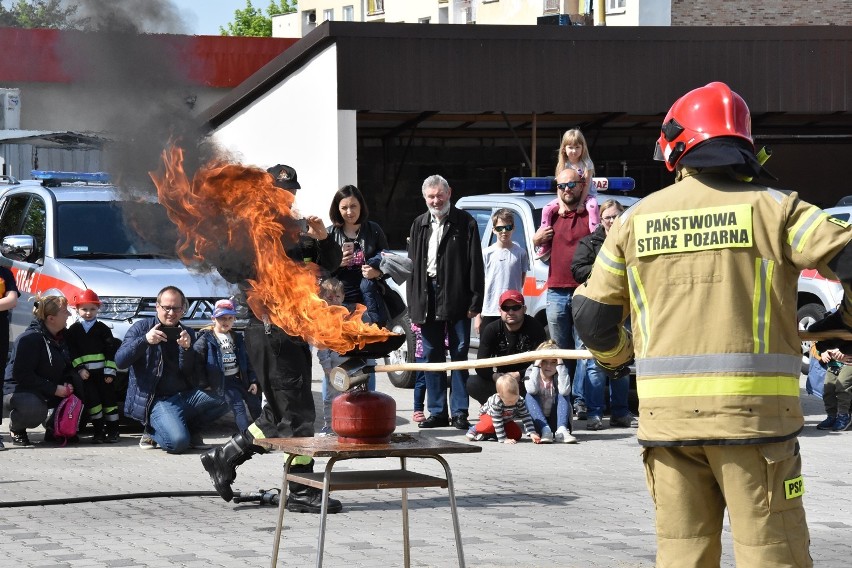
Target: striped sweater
(499, 412)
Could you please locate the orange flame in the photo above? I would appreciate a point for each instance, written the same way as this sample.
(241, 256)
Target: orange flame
(233, 214)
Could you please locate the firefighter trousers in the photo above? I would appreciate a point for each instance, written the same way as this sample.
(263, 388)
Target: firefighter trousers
(760, 485)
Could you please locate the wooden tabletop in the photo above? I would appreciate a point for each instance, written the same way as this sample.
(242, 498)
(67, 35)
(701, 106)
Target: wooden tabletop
(400, 445)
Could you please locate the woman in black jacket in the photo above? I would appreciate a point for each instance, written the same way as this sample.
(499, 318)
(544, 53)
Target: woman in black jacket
(362, 242)
(39, 373)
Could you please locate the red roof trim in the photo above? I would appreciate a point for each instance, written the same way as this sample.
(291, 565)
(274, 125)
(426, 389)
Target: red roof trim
(34, 56)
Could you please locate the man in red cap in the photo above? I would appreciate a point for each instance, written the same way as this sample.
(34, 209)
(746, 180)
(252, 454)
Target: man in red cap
(515, 332)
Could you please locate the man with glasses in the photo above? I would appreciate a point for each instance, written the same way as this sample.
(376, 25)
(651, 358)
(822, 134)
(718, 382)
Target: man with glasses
(568, 225)
(515, 332)
(160, 391)
(444, 291)
(506, 264)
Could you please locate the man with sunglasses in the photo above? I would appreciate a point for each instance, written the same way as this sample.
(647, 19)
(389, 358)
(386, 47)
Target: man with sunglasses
(515, 332)
(506, 265)
(568, 225)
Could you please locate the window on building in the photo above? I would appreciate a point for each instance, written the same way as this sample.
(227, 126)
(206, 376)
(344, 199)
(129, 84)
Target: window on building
(616, 6)
(328, 15)
(375, 7)
(348, 14)
(424, 20)
(551, 6)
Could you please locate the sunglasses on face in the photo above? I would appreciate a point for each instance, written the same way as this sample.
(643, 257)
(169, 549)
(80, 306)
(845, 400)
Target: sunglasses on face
(512, 308)
(569, 185)
(503, 228)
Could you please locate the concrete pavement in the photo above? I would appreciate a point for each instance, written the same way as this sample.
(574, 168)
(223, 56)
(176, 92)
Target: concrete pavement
(521, 506)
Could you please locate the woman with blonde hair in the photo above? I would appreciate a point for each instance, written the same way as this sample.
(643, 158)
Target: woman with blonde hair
(548, 385)
(39, 374)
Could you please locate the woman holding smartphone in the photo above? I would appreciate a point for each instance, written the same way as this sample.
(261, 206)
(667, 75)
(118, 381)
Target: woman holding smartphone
(362, 242)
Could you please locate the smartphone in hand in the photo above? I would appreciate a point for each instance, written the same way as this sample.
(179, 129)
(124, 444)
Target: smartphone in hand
(172, 332)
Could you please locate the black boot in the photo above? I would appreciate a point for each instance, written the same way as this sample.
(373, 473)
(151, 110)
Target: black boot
(221, 463)
(112, 431)
(100, 436)
(304, 499)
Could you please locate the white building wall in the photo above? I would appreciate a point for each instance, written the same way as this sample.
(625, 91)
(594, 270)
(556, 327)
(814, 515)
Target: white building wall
(297, 123)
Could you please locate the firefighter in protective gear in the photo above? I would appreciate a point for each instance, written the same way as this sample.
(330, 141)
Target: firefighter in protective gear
(707, 270)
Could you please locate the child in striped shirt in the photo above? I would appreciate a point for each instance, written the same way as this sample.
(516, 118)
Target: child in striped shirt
(496, 417)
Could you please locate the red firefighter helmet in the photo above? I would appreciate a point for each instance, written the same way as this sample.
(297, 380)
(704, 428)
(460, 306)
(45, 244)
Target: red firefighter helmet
(87, 297)
(711, 111)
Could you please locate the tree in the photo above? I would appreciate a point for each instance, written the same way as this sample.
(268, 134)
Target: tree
(39, 14)
(251, 21)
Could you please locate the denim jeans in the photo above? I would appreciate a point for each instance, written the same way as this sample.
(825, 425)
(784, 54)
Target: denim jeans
(562, 331)
(174, 419)
(458, 333)
(560, 414)
(420, 391)
(595, 391)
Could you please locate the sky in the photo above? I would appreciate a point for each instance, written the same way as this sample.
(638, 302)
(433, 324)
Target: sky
(204, 17)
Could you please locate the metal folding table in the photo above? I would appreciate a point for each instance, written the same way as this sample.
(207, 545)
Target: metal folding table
(402, 446)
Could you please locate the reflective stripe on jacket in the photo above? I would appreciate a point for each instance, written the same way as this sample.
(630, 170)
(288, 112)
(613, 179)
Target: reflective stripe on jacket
(708, 270)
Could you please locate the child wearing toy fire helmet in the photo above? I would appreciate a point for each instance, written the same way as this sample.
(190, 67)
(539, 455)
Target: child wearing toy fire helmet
(92, 349)
(496, 416)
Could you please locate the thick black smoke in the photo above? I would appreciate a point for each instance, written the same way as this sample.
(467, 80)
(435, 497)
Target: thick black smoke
(131, 82)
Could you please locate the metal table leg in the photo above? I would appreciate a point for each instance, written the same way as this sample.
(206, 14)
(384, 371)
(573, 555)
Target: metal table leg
(282, 504)
(326, 484)
(406, 545)
(455, 514)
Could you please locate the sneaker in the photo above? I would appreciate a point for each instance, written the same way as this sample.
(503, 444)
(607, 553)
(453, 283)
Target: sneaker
(842, 423)
(20, 439)
(146, 442)
(196, 442)
(580, 410)
(563, 436)
(828, 423)
(542, 253)
(546, 435)
(626, 421)
(595, 423)
(471, 434)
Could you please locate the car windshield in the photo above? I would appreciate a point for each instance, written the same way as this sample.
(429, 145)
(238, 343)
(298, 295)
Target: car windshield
(107, 229)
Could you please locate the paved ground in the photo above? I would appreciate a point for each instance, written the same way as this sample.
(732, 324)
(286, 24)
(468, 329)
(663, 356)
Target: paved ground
(521, 506)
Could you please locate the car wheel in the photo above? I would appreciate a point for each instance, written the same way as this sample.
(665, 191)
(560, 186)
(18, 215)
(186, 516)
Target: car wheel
(806, 315)
(405, 354)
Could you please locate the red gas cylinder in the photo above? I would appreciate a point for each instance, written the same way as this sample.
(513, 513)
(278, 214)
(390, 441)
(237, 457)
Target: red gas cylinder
(363, 417)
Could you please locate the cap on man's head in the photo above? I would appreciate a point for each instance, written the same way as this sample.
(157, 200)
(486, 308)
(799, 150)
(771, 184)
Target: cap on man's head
(224, 308)
(284, 177)
(512, 295)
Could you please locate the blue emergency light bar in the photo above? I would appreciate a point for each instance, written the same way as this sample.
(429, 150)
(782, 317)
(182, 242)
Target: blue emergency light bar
(93, 177)
(548, 183)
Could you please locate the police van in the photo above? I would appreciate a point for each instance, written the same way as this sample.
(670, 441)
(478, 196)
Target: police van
(73, 231)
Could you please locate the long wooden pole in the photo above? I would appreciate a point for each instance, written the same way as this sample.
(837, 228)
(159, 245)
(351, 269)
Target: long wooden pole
(557, 354)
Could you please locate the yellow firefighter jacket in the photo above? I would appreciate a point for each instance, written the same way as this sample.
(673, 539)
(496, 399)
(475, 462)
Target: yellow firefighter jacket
(707, 269)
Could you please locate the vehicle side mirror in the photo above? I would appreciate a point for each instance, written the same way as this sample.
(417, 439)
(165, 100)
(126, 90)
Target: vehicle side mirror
(22, 248)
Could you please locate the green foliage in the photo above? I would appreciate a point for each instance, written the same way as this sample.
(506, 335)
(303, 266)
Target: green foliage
(38, 14)
(252, 23)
